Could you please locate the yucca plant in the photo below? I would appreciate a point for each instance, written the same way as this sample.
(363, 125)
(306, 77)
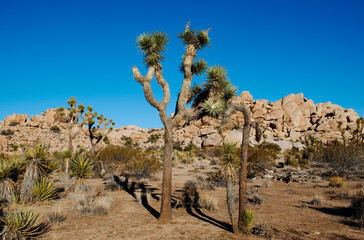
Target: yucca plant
(24, 224)
(10, 169)
(229, 161)
(38, 165)
(248, 220)
(44, 190)
(81, 167)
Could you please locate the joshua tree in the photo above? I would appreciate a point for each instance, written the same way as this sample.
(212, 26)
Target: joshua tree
(228, 172)
(74, 117)
(98, 132)
(152, 45)
(215, 99)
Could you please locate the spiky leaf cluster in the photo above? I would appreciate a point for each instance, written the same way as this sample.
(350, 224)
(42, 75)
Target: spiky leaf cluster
(229, 160)
(24, 224)
(81, 167)
(216, 93)
(213, 107)
(40, 158)
(11, 168)
(152, 45)
(198, 38)
(44, 190)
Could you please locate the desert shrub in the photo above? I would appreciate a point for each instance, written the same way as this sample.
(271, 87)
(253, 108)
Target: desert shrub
(260, 159)
(65, 182)
(215, 179)
(91, 205)
(336, 181)
(44, 190)
(255, 198)
(55, 217)
(274, 148)
(263, 230)
(23, 224)
(190, 195)
(130, 161)
(357, 204)
(153, 138)
(341, 158)
(317, 200)
(112, 186)
(248, 219)
(13, 124)
(208, 200)
(55, 129)
(177, 146)
(100, 210)
(7, 132)
(128, 142)
(185, 157)
(10, 170)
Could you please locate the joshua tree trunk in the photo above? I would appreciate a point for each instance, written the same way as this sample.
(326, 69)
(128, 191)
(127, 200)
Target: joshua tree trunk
(243, 166)
(231, 204)
(244, 155)
(166, 205)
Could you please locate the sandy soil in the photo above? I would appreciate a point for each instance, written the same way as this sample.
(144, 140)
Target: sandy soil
(285, 209)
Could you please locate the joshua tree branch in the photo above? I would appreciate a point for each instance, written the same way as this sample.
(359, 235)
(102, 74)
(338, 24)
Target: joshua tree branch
(147, 88)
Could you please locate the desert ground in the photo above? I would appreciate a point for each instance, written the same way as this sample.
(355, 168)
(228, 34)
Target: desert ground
(286, 208)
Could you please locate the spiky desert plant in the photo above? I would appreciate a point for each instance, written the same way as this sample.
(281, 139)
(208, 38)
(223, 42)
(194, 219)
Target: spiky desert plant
(23, 224)
(10, 169)
(38, 164)
(81, 167)
(248, 220)
(44, 190)
(229, 162)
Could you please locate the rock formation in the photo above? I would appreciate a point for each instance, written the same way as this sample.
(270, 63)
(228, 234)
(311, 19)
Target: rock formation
(283, 122)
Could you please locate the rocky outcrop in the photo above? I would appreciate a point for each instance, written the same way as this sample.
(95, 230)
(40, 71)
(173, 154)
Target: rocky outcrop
(283, 122)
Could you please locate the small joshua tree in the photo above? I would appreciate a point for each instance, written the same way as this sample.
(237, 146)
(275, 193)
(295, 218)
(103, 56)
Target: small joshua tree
(215, 98)
(228, 172)
(152, 45)
(74, 116)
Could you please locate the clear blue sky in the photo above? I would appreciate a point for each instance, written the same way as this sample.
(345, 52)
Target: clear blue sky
(52, 50)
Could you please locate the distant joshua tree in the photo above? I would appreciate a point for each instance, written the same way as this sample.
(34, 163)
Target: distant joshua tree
(74, 117)
(98, 129)
(152, 45)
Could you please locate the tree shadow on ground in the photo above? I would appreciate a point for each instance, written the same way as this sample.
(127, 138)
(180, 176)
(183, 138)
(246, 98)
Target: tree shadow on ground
(203, 217)
(140, 192)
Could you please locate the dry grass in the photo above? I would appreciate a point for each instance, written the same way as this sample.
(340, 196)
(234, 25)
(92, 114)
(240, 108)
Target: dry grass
(336, 182)
(208, 200)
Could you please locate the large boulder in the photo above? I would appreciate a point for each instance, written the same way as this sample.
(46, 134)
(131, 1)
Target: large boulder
(16, 119)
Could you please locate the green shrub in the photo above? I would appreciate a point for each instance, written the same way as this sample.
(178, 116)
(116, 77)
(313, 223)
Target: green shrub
(153, 138)
(13, 124)
(24, 224)
(336, 181)
(44, 190)
(248, 220)
(130, 161)
(55, 129)
(7, 132)
(259, 159)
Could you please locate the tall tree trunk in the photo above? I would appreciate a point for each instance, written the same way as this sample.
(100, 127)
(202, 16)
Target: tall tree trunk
(166, 205)
(231, 204)
(243, 168)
